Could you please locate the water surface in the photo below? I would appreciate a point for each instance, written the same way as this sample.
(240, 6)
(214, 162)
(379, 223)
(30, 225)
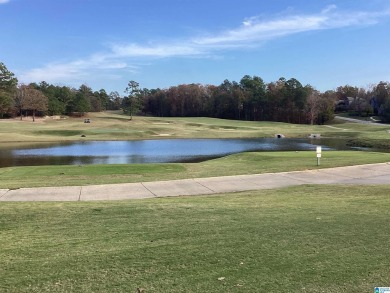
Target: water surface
(147, 151)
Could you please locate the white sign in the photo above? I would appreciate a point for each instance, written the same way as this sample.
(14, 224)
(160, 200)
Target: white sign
(318, 150)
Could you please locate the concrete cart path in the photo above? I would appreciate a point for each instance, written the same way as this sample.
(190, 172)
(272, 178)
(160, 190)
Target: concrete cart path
(362, 174)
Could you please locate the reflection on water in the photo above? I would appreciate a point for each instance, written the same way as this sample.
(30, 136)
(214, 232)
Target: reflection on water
(150, 151)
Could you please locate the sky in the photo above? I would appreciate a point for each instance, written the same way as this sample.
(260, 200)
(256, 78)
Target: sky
(162, 43)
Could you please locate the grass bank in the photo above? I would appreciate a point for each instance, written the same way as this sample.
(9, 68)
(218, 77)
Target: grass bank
(298, 239)
(238, 164)
(114, 126)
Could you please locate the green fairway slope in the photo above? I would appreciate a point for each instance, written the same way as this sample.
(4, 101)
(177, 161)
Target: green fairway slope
(299, 239)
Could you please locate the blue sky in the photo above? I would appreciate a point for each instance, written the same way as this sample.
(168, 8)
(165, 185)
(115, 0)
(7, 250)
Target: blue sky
(159, 44)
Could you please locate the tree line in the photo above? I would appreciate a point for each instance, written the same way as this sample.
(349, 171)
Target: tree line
(249, 99)
(47, 99)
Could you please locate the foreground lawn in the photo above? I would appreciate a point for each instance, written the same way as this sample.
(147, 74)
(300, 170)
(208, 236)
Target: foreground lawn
(299, 239)
(238, 164)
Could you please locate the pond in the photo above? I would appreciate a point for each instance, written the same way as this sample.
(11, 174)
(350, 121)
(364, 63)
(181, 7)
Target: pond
(150, 151)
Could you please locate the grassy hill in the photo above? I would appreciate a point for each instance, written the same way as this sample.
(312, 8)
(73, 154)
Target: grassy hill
(115, 126)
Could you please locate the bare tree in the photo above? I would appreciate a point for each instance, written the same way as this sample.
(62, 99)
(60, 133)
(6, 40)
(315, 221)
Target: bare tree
(313, 104)
(28, 98)
(36, 101)
(20, 99)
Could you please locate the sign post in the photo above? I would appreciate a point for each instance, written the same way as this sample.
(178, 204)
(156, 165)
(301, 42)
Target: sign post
(318, 151)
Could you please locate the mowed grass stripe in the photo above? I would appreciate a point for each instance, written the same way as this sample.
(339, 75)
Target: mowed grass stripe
(299, 239)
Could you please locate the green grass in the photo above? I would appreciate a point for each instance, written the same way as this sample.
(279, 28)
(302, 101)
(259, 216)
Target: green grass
(370, 143)
(298, 239)
(58, 132)
(238, 164)
(114, 126)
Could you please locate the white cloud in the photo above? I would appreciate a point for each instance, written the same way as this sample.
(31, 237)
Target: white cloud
(329, 8)
(4, 1)
(79, 71)
(253, 31)
(53, 72)
(159, 51)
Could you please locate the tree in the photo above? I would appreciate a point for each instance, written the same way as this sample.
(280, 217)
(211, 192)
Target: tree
(81, 104)
(327, 107)
(227, 100)
(96, 102)
(254, 99)
(382, 98)
(35, 101)
(275, 96)
(81, 101)
(385, 112)
(360, 105)
(20, 99)
(345, 94)
(131, 103)
(157, 103)
(115, 101)
(29, 98)
(312, 105)
(8, 86)
(65, 97)
(104, 99)
(294, 100)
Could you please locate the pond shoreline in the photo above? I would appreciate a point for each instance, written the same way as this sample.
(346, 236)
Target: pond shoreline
(151, 151)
